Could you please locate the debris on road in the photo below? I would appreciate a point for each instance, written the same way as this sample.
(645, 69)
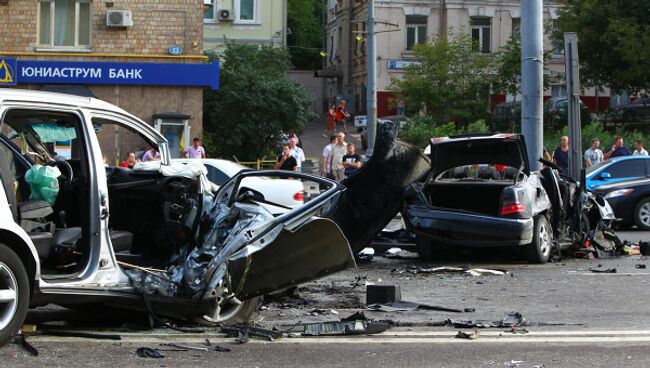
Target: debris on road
(21, 340)
(358, 327)
(640, 265)
(459, 270)
(467, 335)
(383, 294)
(509, 320)
(183, 347)
(145, 352)
(243, 332)
(365, 255)
(605, 270)
(404, 306)
(513, 363)
(399, 253)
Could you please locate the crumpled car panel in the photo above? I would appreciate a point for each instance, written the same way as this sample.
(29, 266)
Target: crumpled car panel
(375, 192)
(314, 250)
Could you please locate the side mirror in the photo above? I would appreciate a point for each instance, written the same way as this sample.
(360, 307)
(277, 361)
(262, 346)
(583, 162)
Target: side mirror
(605, 175)
(247, 194)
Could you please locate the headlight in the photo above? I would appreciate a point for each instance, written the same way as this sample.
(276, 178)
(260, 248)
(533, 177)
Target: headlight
(618, 193)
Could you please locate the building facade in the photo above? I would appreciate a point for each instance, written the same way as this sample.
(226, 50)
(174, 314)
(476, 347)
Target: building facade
(490, 24)
(247, 21)
(128, 45)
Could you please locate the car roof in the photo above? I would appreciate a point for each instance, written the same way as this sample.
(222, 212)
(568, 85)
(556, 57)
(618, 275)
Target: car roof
(17, 94)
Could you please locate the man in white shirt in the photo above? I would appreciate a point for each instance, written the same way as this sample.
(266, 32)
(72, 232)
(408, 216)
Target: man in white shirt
(638, 149)
(593, 156)
(339, 149)
(297, 153)
(325, 167)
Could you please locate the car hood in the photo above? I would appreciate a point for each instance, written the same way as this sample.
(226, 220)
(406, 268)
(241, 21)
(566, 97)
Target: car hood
(502, 149)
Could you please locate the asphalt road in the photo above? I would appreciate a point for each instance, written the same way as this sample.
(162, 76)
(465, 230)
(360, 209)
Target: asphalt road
(575, 318)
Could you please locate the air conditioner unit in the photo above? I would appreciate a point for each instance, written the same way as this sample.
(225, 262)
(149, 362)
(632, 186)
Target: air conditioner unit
(226, 14)
(119, 18)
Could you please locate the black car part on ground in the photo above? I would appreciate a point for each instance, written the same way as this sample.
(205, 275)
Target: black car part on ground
(375, 193)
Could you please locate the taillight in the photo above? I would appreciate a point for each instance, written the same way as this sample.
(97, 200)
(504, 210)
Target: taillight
(300, 196)
(513, 208)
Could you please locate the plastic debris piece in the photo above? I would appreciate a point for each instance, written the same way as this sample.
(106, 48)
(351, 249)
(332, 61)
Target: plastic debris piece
(467, 335)
(22, 341)
(605, 270)
(145, 352)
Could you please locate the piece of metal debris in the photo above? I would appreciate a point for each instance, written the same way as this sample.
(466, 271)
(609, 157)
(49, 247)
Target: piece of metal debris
(243, 332)
(184, 347)
(145, 352)
(641, 266)
(606, 270)
(405, 306)
(383, 294)
(509, 320)
(467, 335)
(460, 270)
(360, 327)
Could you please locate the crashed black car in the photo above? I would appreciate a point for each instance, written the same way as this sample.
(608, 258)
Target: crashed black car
(481, 192)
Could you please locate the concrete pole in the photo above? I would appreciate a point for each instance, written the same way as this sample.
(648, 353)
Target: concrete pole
(573, 95)
(371, 98)
(532, 87)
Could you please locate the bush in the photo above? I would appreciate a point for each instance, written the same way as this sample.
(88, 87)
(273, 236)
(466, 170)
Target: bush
(591, 131)
(420, 129)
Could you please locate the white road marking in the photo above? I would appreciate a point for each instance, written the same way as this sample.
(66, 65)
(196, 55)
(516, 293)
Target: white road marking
(389, 337)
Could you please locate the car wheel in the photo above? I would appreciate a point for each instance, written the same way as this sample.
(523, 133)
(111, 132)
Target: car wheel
(231, 312)
(642, 214)
(14, 294)
(539, 250)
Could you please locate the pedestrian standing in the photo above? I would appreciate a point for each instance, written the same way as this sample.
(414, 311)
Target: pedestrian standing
(342, 116)
(561, 155)
(325, 167)
(286, 161)
(618, 149)
(195, 150)
(639, 150)
(336, 157)
(297, 153)
(351, 161)
(330, 123)
(593, 155)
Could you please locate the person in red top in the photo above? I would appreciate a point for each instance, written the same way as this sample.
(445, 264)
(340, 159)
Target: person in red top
(342, 115)
(331, 119)
(130, 160)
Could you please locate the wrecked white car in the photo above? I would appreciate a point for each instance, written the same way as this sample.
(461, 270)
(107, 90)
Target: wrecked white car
(74, 230)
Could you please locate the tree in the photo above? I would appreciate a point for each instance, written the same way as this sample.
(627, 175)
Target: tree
(450, 82)
(255, 104)
(306, 37)
(613, 41)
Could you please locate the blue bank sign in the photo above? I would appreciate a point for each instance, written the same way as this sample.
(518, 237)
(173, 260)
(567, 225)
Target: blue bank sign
(73, 72)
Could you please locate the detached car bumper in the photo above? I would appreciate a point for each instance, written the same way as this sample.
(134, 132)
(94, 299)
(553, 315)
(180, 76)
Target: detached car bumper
(463, 228)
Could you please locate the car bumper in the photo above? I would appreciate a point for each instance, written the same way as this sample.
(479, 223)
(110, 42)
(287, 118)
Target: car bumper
(461, 228)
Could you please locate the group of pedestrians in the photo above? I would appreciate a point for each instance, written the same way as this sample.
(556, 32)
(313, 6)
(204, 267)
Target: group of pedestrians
(339, 159)
(196, 150)
(337, 116)
(291, 158)
(594, 155)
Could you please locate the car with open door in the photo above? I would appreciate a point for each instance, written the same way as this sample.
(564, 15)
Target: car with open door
(76, 229)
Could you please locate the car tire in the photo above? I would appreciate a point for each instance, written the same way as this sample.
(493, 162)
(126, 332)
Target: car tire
(642, 214)
(539, 251)
(14, 294)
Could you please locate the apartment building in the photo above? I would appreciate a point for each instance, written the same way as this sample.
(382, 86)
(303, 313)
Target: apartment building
(246, 21)
(490, 23)
(145, 56)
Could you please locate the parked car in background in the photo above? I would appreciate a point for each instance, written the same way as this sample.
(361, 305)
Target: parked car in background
(556, 112)
(618, 169)
(481, 192)
(286, 192)
(630, 200)
(637, 111)
(505, 116)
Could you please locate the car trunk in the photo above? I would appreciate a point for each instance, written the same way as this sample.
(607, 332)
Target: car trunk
(479, 197)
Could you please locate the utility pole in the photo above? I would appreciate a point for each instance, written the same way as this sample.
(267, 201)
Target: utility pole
(532, 87)
(371, 98)
(573, 94)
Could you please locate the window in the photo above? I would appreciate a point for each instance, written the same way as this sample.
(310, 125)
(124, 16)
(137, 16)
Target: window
(64, 23)
(246, 10)
(558, 44)
(481, 34)
(216, 176)
(627, 169)
(516, 28)
(416, 30)
(210, 10)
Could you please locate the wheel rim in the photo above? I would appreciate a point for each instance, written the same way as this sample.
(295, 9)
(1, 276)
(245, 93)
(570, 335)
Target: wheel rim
(644, 214)
(8, 295)
(226, 308)
(544, 239)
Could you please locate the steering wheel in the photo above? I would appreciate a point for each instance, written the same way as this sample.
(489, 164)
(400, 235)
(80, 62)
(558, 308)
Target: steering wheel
(64, 166)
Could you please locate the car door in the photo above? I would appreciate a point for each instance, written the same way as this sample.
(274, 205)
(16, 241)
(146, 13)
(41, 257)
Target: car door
(620, 171)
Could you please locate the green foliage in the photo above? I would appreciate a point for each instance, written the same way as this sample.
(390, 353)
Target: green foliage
(508, 66)
(306, 37)
(255, 104)
(452, 81)
(614, 40)
(420, 129)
